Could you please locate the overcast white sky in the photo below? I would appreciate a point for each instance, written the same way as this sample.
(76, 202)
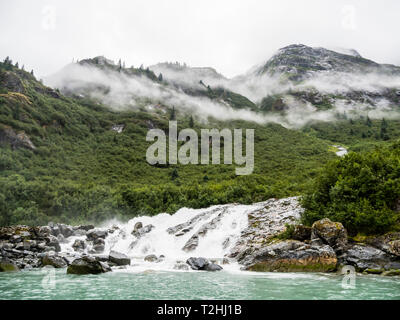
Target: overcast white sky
(228, 35)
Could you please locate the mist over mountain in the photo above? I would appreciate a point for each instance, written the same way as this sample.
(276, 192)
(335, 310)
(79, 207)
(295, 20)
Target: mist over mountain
(297, 85)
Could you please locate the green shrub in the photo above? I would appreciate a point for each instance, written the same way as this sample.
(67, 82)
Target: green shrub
(360, 190)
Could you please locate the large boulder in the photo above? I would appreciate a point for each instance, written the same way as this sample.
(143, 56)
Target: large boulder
(51, 259)
(390, 243)
(364, 257)
(95, 234)
(65, 230)
(331, 233)
(119, 258)
(7, 265)
(291, 256)
(202, 264)
(87, 265)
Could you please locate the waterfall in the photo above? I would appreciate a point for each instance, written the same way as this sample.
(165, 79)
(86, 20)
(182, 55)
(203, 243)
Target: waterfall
(210, 233)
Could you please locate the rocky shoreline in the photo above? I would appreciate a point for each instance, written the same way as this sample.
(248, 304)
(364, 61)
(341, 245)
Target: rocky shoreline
(324, 247)
(273, 241)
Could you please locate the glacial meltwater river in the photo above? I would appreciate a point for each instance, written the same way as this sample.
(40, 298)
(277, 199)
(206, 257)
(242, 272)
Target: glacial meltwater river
(160, 280)
(193, 285)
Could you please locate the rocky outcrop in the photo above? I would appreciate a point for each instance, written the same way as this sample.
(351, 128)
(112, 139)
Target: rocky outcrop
(291, 256)
(322, 247)
(183, 228)
(265, 224)
(202, 264)
(193, 242)
(11, 81)
(20, 140)
(364, 257)
(389, 243)
(87, 265)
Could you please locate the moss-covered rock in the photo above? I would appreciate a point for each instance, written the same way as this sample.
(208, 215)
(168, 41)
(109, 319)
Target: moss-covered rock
(7, 266)
(292, 256)
(331, 233)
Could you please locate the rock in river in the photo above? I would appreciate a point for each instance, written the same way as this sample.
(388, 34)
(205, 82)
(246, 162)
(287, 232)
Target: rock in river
(52, 259)
(202, 264)
(119, 258)
(87, 265)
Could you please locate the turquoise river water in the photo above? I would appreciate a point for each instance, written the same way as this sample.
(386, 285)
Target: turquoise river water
(193, 285)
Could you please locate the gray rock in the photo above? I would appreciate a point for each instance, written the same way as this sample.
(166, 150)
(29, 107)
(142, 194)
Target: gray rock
(191, 244)
(102, 258)
(212, 267)
(197, 263)
(53, 243)
(98, 248)
(96, 233)
(99, 241)
(265, 222)
(142, 231)
(138, 225)
(65, 230)
(119, 258)
(105, 266)
(44, 231)
(202, 264)
(85, 227)
(364, 257)
(55, 231)
(53, 260)
(79, 233)
(331, 233)
(151, 258)
(79, 245)
(87, 265)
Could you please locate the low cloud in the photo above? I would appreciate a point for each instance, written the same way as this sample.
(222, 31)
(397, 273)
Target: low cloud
(122, 91)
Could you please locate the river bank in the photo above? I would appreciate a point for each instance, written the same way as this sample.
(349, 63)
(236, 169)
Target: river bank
(227, 237)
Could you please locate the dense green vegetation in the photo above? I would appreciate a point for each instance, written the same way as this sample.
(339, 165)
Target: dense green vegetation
(357, 134)
(361, 190)
(81, 170)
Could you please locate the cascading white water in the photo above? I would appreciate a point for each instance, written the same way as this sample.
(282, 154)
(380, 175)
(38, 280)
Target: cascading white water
(216, 228)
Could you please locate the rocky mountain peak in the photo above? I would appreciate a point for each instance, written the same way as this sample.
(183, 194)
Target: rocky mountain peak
(298, 61)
